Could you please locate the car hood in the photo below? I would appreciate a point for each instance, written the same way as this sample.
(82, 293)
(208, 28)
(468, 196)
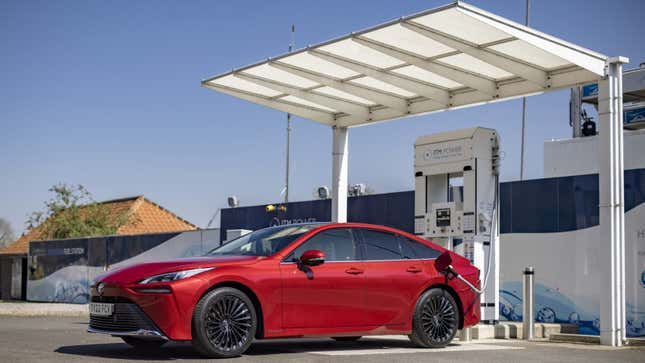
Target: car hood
(133, 273)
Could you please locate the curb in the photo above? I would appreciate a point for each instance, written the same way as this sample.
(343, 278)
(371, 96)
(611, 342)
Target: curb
(44, 309)
(574, 338)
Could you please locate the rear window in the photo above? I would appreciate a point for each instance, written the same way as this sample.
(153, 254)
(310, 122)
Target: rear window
(418, 249)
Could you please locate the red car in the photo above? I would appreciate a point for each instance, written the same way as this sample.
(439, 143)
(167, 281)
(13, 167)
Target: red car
(328, 280)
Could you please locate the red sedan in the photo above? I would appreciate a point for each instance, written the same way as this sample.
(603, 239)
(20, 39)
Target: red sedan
(328, 280)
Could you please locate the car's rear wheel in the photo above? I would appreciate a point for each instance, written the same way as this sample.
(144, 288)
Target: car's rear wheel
(224, 323)
(346, 339)
(436, 319)
(142, 343)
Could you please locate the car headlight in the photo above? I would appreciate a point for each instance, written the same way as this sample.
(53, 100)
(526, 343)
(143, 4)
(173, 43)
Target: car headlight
(173, 276)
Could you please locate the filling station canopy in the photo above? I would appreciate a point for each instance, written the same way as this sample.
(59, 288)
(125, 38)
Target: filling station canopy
(445, 58)
(450, 57)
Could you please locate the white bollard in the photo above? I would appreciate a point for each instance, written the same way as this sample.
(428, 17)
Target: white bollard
(528, 313)
(466, 335)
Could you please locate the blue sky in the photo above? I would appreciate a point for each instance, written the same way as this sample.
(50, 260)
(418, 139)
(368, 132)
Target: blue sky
(107, 94)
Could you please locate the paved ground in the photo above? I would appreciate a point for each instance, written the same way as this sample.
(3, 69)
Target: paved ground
(59, 339)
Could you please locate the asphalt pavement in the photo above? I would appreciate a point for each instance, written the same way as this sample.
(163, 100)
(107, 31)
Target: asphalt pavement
(63, 339)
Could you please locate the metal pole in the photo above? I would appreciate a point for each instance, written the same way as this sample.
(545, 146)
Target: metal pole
(286, 185)
(611, 240)
(340, 160)
(526, 22)
(528, 313)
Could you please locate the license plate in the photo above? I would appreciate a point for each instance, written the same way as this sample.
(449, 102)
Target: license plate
(99, 309)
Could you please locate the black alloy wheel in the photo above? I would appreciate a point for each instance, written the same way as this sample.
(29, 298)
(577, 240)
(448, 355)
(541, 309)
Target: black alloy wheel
(436, 319)
(224, 323)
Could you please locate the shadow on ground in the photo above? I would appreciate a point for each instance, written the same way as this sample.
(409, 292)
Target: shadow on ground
(181, 350)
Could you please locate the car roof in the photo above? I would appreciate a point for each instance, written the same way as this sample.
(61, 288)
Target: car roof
(329, 225)
(370, 226)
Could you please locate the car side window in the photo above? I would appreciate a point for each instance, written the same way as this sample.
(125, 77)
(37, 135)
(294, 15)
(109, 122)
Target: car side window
(406, 249)
(338, 244)
(380, 245)
(420, 250)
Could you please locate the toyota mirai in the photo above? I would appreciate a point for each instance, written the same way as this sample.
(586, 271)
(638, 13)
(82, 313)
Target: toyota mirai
(338, 280)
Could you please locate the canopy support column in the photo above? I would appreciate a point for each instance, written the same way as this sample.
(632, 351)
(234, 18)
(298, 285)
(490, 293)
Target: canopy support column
(612, 209)
(339, 175)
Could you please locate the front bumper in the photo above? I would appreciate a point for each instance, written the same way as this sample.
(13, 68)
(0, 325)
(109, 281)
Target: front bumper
(154, 315)
(127, 319)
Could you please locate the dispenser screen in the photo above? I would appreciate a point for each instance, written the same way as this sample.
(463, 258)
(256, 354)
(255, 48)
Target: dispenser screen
(443, 217)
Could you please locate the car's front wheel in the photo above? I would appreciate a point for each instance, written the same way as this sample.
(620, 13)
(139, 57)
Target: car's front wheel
(224, 323)
(436, 319)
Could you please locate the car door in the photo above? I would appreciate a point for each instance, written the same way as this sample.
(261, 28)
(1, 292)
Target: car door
(394, 275)
(329, 295)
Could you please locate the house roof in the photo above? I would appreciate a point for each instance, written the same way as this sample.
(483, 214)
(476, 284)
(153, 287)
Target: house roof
(148, 217)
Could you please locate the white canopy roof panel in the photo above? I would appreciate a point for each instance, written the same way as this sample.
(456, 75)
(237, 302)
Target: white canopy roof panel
(440, 59)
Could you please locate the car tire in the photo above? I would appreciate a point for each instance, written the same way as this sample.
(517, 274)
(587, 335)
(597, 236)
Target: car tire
(142, 343)
(346, 339)
(224, 323)
(435, 320)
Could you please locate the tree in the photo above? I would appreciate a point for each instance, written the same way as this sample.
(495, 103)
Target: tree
(73, 213)
(6, 233)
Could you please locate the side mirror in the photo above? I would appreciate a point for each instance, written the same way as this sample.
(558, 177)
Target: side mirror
(312, 258)
(443, 262)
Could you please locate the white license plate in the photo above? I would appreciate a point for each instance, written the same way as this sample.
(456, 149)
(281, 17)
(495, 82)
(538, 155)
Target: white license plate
(99, 309)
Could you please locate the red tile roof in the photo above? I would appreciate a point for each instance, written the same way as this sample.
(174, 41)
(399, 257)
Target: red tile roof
(146, 217)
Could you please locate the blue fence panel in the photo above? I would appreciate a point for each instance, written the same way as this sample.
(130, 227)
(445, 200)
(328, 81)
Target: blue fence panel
(393, 209)
(257, 217)
(121, 248)
(529, 206)
(390, 209)
(549, 205)
(505, 207)
(634, 188)
(58, 271)
(585, 202)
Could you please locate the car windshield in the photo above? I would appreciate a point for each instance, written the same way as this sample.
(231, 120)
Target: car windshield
(263, 242)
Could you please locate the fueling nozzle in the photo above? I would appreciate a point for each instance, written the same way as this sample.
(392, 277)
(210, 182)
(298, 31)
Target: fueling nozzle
(443, 264)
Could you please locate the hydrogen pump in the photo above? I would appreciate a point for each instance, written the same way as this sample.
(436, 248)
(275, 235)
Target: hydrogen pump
(456, 202)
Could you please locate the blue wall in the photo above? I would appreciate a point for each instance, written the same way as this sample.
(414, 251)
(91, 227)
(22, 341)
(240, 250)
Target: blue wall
(390, 209)
(530, 206)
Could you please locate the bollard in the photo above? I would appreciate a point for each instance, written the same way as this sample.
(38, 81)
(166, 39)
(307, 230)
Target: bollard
(528, 318)
(466, 335)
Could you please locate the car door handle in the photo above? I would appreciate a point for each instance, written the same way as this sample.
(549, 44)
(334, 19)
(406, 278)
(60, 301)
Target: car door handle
(413, 269)
(354, 271)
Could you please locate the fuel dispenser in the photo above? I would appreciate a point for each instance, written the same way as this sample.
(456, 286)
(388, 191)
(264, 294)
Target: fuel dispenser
(456, 201)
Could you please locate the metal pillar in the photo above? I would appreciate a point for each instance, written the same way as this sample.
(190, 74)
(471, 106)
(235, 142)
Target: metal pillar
(288, 163)
(528, 312)
(339, 175)
(612, 211)
(526, 22)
